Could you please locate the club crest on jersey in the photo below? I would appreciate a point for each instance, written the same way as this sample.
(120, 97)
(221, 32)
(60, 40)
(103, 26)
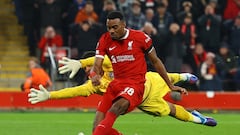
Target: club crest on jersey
(130, 43)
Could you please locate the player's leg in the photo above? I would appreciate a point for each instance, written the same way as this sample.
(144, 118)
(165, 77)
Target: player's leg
(154, 82)
(182, 114)
(102, 110)
(107, 113)
(125, 98)
(154, 104)
(99, 117)
(120, 106)
(186, 77)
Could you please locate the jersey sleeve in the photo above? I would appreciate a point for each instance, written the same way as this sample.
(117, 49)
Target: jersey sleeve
(83, 90)
(101, 47)
(147, 43)
(90, 61)
(107, 63)
(27, 84)
(87, 62)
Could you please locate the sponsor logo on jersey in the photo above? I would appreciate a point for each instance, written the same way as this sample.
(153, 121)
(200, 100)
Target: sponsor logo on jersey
(113, 59)
(122, 58)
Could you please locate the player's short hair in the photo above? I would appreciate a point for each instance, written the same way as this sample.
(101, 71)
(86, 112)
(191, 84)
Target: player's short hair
(115, 15)
(35, 59)
(88, 54)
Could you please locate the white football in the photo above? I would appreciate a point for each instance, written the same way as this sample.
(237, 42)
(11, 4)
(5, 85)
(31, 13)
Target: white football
(80, 133)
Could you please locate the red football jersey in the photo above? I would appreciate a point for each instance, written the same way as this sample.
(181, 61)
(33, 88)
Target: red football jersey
(127, 54)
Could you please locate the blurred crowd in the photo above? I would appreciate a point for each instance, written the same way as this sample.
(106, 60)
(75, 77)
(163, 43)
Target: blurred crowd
(197, 36)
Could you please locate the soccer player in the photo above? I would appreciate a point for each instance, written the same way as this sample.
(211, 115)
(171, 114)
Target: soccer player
(126, 48)
(153, 102)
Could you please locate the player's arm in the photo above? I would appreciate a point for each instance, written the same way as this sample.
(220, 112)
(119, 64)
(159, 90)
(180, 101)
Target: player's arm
(42, 94)
(87, 62)
(158, 65)
(27, 84)
(160, 68)
(84, 90)
(90, 61)
(97, 72)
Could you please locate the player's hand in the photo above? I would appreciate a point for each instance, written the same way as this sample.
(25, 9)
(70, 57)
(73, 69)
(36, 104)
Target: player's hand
(40, 95)
(69, 65)
(179, 89)
(95, 78)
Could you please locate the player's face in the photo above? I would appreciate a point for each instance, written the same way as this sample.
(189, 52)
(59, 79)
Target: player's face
(116, 28)
(32, 64)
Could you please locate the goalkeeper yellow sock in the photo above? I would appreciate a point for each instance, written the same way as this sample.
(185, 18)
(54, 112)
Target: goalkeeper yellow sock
(174, 77)
(183, 115)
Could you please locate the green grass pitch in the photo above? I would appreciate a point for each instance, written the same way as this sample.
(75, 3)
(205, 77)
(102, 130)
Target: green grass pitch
(71, 123)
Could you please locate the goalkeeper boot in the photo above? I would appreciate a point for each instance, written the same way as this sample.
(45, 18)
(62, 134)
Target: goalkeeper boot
(190, 78)
(205, 120)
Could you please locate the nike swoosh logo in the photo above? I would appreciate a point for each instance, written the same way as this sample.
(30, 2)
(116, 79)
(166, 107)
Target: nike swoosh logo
(111, 48)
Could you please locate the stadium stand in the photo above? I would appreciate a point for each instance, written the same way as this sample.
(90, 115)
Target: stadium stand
(13, 49)
(22, 23)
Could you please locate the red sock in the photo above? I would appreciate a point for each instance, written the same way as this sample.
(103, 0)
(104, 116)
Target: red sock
(106, 124)
(114, 132)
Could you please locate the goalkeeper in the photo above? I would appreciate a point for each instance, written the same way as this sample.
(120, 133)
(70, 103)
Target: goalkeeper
(155, 89)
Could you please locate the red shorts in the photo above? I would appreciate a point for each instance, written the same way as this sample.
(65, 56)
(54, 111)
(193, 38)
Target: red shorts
(131, 90)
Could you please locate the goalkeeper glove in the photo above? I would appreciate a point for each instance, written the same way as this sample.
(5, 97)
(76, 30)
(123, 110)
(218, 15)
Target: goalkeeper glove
(36, 96)
(70, 65)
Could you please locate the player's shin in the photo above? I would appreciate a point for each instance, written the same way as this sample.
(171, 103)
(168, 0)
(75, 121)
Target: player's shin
(114, 132)
(183, 115)
(105, 126)
(98, 118)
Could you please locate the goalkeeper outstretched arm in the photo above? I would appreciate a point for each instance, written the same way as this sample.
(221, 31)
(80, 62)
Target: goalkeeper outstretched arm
(84, 90)
(69, 65)
(42, 94)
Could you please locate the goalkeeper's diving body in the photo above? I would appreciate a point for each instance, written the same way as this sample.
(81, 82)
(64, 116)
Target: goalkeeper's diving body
(152, 103)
